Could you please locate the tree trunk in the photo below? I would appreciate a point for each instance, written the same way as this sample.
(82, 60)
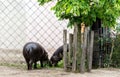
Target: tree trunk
(79, 50)
(84, 49)
(76, 48)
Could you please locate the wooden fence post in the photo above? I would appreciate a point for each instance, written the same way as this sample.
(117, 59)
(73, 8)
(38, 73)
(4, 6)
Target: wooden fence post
(90, 52)
(70, 53)
(74, 64)
(88, 49)
(65, 49)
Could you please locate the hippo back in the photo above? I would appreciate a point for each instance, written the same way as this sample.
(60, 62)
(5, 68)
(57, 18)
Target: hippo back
(33, 51)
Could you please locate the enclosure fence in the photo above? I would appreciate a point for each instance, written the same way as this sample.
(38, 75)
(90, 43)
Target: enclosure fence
(22, 21)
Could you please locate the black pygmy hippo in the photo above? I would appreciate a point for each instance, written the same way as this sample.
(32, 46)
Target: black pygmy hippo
(57, 56)
(34, 52)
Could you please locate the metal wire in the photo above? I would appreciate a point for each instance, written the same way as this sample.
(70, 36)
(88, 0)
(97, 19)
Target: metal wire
(22, 21)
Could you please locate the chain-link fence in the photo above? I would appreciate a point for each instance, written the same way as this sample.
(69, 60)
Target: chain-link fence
(22, 21)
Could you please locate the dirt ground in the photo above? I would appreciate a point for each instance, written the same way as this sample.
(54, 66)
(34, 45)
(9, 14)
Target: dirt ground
(6, 71)
(16, 57)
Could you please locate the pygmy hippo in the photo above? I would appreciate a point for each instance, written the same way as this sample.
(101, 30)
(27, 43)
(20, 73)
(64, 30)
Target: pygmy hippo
(57, 56)
(34, 52)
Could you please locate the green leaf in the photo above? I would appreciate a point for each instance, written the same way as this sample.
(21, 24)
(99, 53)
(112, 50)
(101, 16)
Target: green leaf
(86, 11)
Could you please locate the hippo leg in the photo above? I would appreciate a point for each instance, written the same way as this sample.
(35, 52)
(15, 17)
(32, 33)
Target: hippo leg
(27, 61)
(27, 65)
(41, 62)
(35, 65)
(30, 64)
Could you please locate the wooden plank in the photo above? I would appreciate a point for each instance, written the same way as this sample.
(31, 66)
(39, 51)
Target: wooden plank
(90, 52)
(70, 53)
(74, 48)
(88, 49)
(65, 49)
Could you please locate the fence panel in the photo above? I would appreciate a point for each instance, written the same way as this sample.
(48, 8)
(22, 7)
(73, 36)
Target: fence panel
(22, 21)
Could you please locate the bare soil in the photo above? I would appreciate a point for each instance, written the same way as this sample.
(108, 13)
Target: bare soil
(6, 71)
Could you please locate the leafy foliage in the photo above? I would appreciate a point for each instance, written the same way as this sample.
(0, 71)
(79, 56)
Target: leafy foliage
(43, 1)
(87, 11)
(116, 52)
(117, 28)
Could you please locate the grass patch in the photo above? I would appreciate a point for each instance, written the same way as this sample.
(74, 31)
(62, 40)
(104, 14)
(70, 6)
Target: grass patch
(18, 66)
(45, 65)
(24, 66)
(60, 64)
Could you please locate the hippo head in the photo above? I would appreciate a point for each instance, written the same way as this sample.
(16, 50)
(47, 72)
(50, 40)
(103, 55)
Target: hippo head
(54, 60)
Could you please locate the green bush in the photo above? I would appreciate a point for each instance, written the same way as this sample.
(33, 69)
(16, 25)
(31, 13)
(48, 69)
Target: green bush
(60, 64)
(116, 53)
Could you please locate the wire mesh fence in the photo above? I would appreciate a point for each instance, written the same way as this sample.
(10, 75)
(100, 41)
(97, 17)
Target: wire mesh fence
(22, 21)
